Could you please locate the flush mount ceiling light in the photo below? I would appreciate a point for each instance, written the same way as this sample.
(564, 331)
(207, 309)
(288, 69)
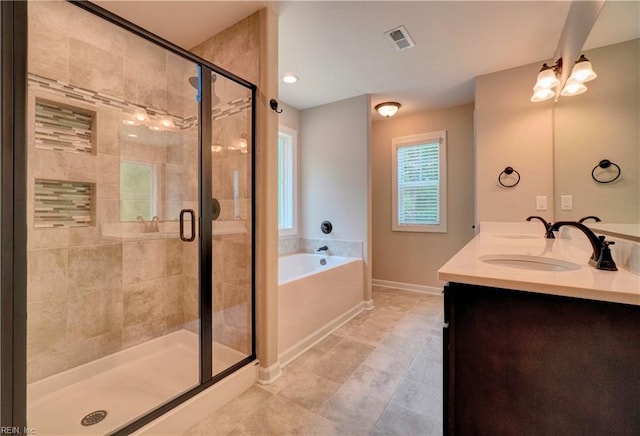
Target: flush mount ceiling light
(388, 108)
(289, 78)
(548, 79)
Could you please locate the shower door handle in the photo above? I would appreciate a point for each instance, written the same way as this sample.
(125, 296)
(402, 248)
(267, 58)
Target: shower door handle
(193, 225)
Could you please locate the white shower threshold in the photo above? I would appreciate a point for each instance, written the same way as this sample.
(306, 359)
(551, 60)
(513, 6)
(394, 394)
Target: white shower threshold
(126, 384)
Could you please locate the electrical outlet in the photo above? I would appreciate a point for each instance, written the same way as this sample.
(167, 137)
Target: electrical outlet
(566, 202)
(541, 202)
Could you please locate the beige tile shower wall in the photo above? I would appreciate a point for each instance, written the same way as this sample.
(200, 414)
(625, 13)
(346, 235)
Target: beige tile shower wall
(237, 50)
(91, 295)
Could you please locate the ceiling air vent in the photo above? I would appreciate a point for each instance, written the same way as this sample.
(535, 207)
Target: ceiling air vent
(400, 38)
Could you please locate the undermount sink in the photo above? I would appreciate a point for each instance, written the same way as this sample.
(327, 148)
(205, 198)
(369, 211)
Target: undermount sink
(529, 262)
(517, 236)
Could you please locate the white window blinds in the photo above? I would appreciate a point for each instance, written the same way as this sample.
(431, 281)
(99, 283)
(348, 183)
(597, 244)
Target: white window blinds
(419, 183)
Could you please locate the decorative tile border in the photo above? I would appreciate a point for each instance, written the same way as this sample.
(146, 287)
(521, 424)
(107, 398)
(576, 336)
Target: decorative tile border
(61, 203)
(62, 128)
(113, 103)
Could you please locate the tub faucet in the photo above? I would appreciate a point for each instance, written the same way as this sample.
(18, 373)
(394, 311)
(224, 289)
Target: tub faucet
(601, 257)
(547, 226)
(323, 248)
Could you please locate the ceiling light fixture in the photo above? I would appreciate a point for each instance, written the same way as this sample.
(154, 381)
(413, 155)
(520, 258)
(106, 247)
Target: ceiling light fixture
(289, 78)
(548, 79)
(388, 108)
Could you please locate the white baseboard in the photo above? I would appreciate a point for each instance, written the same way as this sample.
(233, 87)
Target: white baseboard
(368, 305)
(432, 290)
(303, 345)
(268, 375)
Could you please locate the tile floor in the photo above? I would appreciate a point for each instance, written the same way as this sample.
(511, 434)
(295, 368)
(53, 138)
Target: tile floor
(379, 374)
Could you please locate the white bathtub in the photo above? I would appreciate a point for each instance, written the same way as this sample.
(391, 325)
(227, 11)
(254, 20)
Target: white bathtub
(314, 299)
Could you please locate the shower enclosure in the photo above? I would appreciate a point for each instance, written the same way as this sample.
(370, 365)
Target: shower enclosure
(139, 224)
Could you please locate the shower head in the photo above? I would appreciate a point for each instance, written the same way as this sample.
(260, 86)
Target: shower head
(193, 80)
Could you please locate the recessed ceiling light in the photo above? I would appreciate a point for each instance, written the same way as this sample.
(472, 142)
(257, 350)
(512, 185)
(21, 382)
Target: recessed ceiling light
(289, 78)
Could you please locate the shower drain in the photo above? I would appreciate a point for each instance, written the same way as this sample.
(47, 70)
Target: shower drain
(93, 417)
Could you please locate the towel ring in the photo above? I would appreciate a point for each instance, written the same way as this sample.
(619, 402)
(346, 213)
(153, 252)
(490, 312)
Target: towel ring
(508, 171)
(605, 163)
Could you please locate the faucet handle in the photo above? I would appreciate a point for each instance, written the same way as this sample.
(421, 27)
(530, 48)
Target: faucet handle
(605, 261)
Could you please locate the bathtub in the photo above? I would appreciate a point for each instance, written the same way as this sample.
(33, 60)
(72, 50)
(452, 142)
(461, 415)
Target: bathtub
(314, 299)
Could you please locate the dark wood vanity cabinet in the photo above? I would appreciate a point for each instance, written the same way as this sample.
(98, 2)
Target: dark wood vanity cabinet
(523, 363)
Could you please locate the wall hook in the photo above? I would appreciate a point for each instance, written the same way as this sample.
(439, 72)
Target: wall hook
(274, 105)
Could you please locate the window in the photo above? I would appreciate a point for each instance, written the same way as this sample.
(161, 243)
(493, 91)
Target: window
(419, 174)
(286, 181)
(138, 186)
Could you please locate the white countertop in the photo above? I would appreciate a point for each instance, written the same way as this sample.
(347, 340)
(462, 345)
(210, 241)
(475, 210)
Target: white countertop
(585, 282)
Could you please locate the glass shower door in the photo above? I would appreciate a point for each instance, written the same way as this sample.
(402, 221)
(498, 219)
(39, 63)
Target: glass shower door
(232, 244)
(113, 292)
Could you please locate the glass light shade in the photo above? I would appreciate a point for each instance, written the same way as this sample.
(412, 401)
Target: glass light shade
(573, 87)
(140, 114)
(546, 79)
(289, 78)
(216, 148)
(582, 71)
(387, 109)
(167, 122)
(542, 94)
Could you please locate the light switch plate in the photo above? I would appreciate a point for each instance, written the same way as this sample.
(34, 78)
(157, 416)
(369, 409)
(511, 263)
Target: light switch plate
(566, 202)
(541, 202)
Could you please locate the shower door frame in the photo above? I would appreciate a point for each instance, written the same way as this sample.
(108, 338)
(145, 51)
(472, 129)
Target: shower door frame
(13, 218)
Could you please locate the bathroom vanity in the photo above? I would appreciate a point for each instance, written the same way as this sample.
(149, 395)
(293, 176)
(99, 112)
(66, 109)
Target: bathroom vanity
(538, 342)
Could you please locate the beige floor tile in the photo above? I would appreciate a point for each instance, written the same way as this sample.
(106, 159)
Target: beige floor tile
(309, 391)
(380, 374)
(396, 420)
(277, 416)
(419, 398)
(392, 362)
(367, 379)
(356, 410)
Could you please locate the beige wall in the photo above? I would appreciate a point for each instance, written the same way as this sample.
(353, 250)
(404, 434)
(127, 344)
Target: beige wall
(603, 123)
(90, 293)
(334, 168)
(512, 131)
(414, 258)
(249, 49)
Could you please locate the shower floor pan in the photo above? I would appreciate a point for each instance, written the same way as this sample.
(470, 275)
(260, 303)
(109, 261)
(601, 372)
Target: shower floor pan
(125, 385)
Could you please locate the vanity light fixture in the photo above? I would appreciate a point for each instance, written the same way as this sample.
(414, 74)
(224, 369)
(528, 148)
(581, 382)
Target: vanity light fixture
(582, 70)
(547, 79)
(216, 148)
(388, 108)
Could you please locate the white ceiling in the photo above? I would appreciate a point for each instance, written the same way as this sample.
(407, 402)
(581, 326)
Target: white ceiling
(338, 48)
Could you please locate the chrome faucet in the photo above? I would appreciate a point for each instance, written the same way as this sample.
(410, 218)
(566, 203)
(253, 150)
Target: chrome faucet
(601, 257)
(149, 227)
(547, 226)
(154, 224)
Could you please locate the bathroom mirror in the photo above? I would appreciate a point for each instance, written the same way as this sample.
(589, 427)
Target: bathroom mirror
(603, 124)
